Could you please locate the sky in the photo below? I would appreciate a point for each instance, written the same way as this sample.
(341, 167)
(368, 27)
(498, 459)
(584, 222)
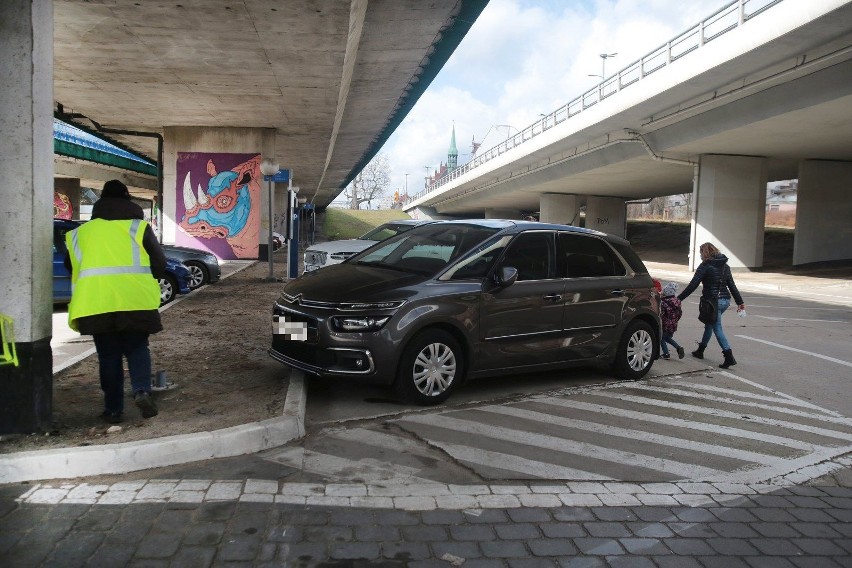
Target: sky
(523, 58)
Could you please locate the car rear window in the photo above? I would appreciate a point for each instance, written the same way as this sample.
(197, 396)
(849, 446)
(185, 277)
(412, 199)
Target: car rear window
(629, 255)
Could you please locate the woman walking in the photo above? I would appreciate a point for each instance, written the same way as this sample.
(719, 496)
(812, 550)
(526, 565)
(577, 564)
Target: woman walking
(718, 285)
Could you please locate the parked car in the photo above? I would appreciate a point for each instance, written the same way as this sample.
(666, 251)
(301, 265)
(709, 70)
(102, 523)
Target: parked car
(426, 309)
(203, 266)
(176, 280)
(334, 252)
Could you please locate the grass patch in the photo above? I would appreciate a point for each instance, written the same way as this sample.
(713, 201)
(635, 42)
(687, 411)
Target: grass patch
(352, 223)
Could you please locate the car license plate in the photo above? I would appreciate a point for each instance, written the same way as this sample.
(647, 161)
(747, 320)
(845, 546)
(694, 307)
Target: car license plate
(292, 330)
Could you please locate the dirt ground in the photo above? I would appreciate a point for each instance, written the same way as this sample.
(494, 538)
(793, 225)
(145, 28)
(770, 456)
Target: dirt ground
(213, 349)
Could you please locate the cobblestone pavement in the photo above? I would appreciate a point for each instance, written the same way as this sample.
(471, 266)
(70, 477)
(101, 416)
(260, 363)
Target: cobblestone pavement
(268, 523)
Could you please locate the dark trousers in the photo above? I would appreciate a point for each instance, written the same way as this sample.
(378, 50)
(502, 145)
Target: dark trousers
(668, 338)
(111, 348)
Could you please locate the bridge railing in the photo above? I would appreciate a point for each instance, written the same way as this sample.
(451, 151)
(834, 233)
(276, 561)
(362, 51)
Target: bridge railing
(727, 18)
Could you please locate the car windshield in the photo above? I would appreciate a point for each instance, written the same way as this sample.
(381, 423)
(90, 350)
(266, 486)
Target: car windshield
(385, 231)
(427, 249)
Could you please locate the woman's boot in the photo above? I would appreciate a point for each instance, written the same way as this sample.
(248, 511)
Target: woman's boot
(729, 359)
(699, 353)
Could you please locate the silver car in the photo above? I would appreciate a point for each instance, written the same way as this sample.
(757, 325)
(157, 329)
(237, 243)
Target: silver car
(203, 266)
(334, 252)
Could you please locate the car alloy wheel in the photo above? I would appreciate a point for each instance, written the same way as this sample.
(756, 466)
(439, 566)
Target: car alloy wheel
(636, 351)
(168, 289)
(430, 368)
(197, 274)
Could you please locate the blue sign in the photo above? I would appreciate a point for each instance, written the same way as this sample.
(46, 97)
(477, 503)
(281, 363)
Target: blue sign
(281, 176)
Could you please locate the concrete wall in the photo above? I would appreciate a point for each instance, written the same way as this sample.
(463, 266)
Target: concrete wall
(495, 213)
(559, 208)
(823, 212)
(729, 208)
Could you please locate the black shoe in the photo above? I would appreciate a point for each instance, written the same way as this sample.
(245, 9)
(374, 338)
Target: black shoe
(145, 404)
(680, 353)
(699, 353)
(665, 356)
(729, 359)
(111, 417)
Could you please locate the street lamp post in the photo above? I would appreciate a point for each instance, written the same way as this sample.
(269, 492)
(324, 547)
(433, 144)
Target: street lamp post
(406, 183)
(604, 57)
(269, 168)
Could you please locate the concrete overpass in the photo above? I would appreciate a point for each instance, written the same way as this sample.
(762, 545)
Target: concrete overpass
(759, 91)
(205, 88)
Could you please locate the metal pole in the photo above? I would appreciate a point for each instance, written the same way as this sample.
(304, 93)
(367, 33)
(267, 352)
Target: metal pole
(270, 244)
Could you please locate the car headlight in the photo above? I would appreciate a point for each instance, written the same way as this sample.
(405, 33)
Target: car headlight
(315, 257)
(359, 323)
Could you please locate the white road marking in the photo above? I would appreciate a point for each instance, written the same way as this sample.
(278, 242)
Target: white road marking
(488, 458)
(811, 353)
(801, 319)
(788, 397)
(552, 443)
(778, 399)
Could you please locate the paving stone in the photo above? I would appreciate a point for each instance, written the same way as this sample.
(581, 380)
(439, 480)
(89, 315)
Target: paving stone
(732, 514)
(193, 557)
(606, 530)
(353, 550)
(376, 533)
(327, 534)
(688, 546)
(531, 563)
(598, 546)
(775, 530)
(767, 562)
(653, 514)
(406, 550)
(424, 534)
(649, 530)
(397, 518)
(723, 562)
(583, 562)
(816, 530)
(614, 514)
(310, 550)
(775, 546)
(239, 547)
(442, 517)
(819, 547)
(676, 562)
(644, 546)
(472, 532)
(487, 516)
(215, 511)
(692, 530)
(817, 563)
(464, 550)
(811, 515)
(75, 549)
(694, 515)
(733, 530)
(529, 515)
(732, 546)
(571, 514)
(517, 531)
(630, 562)
(110, 555)
(503, 549)
(158, 545)
(552, 547)
(562, 530)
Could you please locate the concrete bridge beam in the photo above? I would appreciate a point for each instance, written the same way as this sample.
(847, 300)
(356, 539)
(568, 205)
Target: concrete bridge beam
(729, 207)
(498, 213)
(823, 210)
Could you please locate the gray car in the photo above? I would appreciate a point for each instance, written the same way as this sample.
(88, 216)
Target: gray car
(428, 308)
(203, 266)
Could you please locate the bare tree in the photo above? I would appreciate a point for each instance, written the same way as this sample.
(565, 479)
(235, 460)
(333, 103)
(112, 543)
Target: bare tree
(370, 184)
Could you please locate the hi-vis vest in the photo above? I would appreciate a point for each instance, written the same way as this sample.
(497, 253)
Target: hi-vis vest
(111, 269)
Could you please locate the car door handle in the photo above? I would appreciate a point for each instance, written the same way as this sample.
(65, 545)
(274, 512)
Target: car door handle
(617, 292)
(553, 297)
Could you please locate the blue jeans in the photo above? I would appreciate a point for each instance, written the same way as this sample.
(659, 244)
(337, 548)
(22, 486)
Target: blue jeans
(112, 347)
(668, 338)
(710, 329)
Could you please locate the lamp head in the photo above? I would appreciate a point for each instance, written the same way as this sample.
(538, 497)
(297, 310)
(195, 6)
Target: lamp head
(268, 167)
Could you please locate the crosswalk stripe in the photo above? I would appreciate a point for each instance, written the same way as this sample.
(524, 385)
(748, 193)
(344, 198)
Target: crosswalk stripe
(635, 435)
(824, 432)
(682, 423)
(753, 396)
(780, 410)
(517, 464)
(459, 426)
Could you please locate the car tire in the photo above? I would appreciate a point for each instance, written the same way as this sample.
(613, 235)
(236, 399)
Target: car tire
(168, 289)
(198, 275)
(431, 367)
(636, 351)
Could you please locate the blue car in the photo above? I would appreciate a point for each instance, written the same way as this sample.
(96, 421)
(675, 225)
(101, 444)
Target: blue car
(176, 280)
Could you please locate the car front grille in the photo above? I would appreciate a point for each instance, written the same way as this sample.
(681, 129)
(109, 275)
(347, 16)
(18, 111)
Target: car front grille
(315, 257)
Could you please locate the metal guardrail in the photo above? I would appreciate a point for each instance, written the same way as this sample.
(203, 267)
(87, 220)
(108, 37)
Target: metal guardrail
(727, 18)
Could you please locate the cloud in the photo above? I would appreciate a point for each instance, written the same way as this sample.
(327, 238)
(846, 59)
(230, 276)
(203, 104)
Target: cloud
(523, 58)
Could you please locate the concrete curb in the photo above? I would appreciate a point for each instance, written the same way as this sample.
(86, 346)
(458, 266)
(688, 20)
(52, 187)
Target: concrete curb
(104, 459)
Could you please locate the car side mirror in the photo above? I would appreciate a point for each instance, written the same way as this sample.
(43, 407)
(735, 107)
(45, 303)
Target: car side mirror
(505, 276)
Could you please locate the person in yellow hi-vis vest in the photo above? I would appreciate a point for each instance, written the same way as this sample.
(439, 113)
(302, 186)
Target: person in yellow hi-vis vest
(115, 262)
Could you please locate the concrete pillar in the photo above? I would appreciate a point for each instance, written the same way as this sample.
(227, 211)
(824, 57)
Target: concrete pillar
(607, 215)
(496, 213)
(70, 188)
(729, 207)
(560, 208)
(823, 211)
(224, 149)
(425, 212)
(26, 210)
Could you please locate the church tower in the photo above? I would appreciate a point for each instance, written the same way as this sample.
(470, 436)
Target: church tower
(453, 154)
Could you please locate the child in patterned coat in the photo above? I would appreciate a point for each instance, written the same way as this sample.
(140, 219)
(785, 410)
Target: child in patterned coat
(670, 313)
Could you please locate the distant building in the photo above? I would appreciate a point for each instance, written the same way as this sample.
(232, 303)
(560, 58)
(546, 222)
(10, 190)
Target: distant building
(781, 196)
(446, 167)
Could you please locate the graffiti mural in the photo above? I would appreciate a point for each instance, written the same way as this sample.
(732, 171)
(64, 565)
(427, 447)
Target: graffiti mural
(62, 206)
(218, 203)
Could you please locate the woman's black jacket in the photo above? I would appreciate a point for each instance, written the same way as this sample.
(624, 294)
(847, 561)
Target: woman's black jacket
(715, 277)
